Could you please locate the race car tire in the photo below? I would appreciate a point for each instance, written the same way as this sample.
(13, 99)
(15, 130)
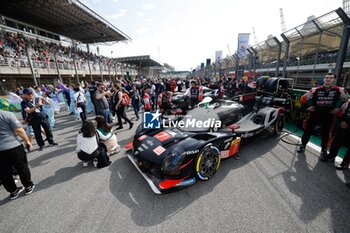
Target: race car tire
(208, 162)
(279, 124)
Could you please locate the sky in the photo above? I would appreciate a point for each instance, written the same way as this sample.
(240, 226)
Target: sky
(184, 33)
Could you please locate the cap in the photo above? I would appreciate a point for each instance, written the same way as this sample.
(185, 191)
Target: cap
(27, 91)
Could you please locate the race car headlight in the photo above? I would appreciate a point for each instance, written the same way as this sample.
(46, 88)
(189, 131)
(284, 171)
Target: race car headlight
(172, 162)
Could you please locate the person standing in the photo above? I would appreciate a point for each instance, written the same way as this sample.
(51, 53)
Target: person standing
(194, 94)
(12, 154)
(322, 103)
(48, 109)
(341, 138)
(135, 101)
(80, 106)
(101, 103)
(146, 98)
(92, 91)
(37, 118)
(119, 107)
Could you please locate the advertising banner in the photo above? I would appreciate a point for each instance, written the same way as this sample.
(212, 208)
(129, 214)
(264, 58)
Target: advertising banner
(218, 56)
(242, 45)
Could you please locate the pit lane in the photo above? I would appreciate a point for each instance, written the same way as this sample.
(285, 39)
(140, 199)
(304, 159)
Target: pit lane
(271, 189)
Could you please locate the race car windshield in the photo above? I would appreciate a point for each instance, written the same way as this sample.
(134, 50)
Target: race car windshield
(199, 120)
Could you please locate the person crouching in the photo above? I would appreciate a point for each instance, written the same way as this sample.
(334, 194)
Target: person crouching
(88, 147)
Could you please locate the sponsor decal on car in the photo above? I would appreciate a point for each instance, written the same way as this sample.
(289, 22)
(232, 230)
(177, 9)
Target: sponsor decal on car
(191, 152)
(162, 136)
(225, 154)
(142, 137)
(159, 150)
(149, 142)
(234, 148)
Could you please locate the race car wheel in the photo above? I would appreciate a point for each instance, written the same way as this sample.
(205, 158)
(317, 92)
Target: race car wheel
(279, 124)
(208, 162)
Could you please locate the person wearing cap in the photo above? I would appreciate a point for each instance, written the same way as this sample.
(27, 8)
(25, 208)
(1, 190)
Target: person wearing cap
(37, 118)
(322, 104)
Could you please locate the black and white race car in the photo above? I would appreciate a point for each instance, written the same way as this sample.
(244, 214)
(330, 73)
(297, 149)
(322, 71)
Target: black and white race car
(181, 152)
(176, 157)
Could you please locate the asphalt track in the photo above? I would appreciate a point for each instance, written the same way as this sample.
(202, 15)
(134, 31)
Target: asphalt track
(271, 189)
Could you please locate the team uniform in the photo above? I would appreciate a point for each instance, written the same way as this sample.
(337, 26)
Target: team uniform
(147, 102)
(342, 138)
(324, 99)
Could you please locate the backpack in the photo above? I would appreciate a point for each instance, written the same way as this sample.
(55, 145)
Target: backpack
(126, 101)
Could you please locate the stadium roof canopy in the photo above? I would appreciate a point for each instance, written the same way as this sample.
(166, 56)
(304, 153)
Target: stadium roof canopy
(325, 31)
(140, 61)
(69, 18)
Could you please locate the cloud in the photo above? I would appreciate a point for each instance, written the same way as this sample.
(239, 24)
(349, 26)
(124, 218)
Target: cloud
(148, 6)
(114, 0)
(115, 16)
(149, 20)
(140, 14)
(141, 30)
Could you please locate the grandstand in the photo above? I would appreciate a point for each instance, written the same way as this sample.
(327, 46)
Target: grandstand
(305, 53)
(41, 43)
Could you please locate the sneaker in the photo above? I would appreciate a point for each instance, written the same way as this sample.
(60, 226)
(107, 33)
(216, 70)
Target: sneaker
(41, 148)
(15, 194)
(131, 125)
(301, 149)
(120, 127)
(342, 166)
(29, 189)
(85, 164)
(54, 144)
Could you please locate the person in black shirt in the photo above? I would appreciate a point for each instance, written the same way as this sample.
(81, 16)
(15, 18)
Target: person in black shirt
(322, 104)
(341, 138)
(119, 107)
(37, 118)
(92, 91)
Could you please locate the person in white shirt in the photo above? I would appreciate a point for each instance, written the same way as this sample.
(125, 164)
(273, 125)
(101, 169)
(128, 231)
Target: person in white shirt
(80, 100)
(87, 146)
